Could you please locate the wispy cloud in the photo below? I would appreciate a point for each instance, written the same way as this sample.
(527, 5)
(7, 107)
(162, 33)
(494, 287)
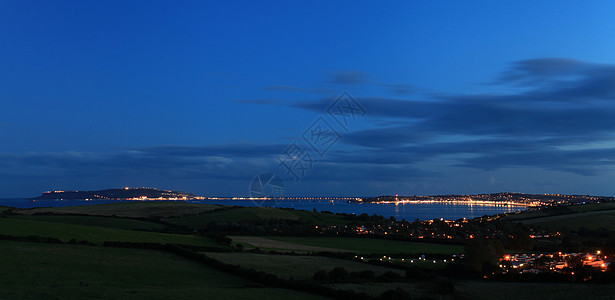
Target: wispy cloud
(349, 77)
(296, 89)
(561, 103)
(400, 89)
(558, 119)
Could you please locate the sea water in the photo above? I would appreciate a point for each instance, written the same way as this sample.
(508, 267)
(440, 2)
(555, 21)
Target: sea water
(407, 211)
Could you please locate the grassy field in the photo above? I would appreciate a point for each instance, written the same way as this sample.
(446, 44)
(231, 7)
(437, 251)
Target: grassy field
(538, 291)
(490, 290)
(241, 214)
(94, 234)
(592, 220)
(142, 209)
(358, 245)
(297, 267)
(416, 290)
(108, 222)
(269, 244)
(593, 207)
(591, 216)
(46, 271)
(574, 209)
(366, 245)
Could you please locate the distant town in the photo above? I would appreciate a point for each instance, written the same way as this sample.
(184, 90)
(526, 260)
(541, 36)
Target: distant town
(146, 193)
(531, 200)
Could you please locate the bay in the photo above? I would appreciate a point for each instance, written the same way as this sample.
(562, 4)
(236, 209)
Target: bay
(407, 211)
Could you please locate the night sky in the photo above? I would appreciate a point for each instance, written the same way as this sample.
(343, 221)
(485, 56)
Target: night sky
(353, 98)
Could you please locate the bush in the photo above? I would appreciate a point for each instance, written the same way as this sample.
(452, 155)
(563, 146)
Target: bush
(444, 287)
(321, 275)
(338, 274)
(395, 294)
(415, 274)
(220, 238)
(366, 275)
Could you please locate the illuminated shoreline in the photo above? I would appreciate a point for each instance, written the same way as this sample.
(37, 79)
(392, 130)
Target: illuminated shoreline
(329, 199)
(461, 202)
(396, 202)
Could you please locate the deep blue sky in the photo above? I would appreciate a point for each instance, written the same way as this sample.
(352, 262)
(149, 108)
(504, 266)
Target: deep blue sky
(460, 97)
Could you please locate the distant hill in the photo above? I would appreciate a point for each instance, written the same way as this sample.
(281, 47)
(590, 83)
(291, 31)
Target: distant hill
(116, 194)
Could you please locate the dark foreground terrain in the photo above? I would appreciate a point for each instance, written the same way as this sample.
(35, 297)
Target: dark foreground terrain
(176, 250)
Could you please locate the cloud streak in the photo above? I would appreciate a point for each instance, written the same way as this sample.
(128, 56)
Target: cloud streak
(557, 104)
(349, 77)
(558, 117)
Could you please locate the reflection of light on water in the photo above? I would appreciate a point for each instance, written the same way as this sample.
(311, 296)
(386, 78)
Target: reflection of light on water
(448, 209)
(408, 210)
